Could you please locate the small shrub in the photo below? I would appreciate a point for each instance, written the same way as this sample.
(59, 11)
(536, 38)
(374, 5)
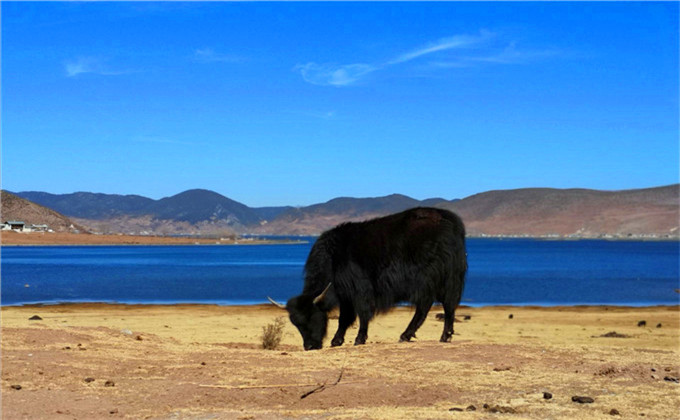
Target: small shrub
(273, 333)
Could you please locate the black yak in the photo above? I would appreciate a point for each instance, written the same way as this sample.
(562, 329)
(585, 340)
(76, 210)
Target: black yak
(364, 268)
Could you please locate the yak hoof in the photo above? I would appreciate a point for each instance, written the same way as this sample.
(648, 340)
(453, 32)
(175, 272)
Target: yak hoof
(406, 337)
(446, 338)
(337, 342)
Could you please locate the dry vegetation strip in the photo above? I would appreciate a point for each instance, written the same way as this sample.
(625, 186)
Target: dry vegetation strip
(61, 238)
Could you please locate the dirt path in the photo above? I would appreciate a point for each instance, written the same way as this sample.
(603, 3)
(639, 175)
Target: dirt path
(205, 362)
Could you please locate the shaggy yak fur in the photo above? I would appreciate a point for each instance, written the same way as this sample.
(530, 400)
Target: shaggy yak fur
(415, 256)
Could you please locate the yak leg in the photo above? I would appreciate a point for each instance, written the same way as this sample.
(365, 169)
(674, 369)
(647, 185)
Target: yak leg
(421, 313)
(449, 312)
(347, 318)
(364, 318)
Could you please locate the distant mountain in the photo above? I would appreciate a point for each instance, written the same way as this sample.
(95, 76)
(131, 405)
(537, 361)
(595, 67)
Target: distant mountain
(271, 213)
(575, 212)
(196, 206)
(193, 211)
(353, 207)
(201, 211)
(319, 217)
(535, 212)
(433, 202)
(18, 209)
(88, 205)
(523, 212)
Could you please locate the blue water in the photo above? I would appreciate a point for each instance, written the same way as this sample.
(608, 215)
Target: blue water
(508, 271)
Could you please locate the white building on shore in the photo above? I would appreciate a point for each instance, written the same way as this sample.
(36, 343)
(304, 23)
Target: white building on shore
(19, 226)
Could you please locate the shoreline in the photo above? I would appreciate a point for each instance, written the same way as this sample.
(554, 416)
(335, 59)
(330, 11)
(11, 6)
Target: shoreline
(267, 242)
(246, 306)
(15, 239)
(28, 239)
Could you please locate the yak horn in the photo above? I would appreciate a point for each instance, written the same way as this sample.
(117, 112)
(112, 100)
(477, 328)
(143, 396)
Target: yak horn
(322, 295)
(276, 303)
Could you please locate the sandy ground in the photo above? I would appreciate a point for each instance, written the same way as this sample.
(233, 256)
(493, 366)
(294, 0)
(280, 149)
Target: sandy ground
(60, 238)
(95, 361)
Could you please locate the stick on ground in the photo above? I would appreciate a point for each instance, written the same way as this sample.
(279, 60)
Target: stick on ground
(322, 386)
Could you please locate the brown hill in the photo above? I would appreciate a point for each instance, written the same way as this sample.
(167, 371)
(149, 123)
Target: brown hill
(316, 218)
(534, 212)
(16, 208)
(652, 212)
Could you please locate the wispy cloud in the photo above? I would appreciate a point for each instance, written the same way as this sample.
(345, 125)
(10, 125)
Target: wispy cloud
(485, 44)
(82, 65)
(348, 74)
(508, 55)
(334, 75)
(512, 55)
(443, 44)
(208, 55)
(95, 65)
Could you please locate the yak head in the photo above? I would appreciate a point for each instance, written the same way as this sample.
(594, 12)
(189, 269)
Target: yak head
(306, 313)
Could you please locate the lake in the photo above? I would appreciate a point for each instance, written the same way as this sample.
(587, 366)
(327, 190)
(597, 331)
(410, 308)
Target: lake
(501, 272)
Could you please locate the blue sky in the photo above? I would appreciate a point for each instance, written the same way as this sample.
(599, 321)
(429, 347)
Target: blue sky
(298, 103)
